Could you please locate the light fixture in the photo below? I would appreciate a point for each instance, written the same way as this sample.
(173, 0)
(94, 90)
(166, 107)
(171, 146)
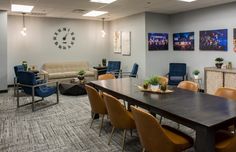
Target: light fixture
(21, 8)
(95, 13)
(187, 0)
(103, 1)
(103, 31)
(23, 31)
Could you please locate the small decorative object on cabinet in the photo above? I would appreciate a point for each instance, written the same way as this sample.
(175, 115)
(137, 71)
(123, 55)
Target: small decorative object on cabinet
(219, 62)
(196, 74)
(229, 65)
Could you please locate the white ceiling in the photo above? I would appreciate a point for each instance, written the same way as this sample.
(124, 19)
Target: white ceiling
(118, 9)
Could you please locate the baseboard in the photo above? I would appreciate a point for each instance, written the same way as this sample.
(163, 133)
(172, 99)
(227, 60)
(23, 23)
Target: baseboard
(3, 91)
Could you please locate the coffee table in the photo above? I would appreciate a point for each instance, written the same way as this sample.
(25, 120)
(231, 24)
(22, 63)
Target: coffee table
(72, 88)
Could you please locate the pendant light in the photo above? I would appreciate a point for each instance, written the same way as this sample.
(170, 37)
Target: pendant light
(23, 31)
(103, 31)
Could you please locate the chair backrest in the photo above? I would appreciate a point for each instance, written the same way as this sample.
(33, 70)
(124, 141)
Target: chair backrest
(163, 80)
(134, 71)
(177, 69)
(118, 114)
(188, 85)
(18, 68)
(106, 76)
(151, 134)
(96, 101)
(27, 78)
(229, 93)
(113, 66)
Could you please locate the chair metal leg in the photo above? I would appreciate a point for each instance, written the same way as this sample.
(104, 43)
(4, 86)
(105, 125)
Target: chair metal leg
(109, 141)
(101, 126)
(17, 95)
(143, 150)
(123, 142)
(92, 119)
(131, 132)
(33, 99)
(57, 92)
(160, 119)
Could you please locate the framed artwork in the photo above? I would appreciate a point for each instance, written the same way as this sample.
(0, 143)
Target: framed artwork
(117, 42)
(126, 43)
(214, 40)
(235, 40)
(183, 41)
(158, 41)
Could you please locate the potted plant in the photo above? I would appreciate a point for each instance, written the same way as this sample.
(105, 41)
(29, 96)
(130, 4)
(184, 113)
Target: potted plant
(219, 62)
(153, 81)
(196, 73)
(145, 84)
(81, 75)
(104, 62)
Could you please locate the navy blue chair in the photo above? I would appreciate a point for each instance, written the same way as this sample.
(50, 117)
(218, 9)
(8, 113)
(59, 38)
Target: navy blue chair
(113, 66)
(133, 72)
(27, 81)
(177, 73)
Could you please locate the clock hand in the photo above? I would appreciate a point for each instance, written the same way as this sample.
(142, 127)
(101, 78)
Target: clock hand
(64, 38)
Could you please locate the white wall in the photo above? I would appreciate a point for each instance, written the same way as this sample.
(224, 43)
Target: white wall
(156, 61)
(3, 50)
(220, 17)
(38, 46)
(136, 25)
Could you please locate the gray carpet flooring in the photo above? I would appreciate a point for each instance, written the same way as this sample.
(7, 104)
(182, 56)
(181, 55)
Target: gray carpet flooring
(60, 128)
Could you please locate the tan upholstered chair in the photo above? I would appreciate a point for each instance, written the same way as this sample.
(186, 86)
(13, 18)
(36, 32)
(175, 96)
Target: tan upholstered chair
(163, 80)
(97, 104)
(157, 138)
(188, 85)
(229, 93)
(119, 116)
(106, 76)
(225, 142)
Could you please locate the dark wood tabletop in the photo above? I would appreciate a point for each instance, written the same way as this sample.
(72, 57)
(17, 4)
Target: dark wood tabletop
(202, 112)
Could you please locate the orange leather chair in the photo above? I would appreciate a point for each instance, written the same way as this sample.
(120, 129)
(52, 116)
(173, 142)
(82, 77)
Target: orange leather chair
(157, 138)
(188, 85)
(106, 76)
(225, 142)
(97, 104)
(120, 118)
(229, 93)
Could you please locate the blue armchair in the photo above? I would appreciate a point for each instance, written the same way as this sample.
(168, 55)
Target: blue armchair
(177, 73)
(27, 81)
(133, 72)
(113, 67)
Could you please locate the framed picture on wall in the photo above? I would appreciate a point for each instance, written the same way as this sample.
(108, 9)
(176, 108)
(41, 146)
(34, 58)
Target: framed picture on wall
(126, 43)
(158, 41)
(234, 40)
(183, 41)
(117, 42)
(214, 40)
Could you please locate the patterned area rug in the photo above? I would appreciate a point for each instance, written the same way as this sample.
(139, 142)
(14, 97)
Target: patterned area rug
(60, 128)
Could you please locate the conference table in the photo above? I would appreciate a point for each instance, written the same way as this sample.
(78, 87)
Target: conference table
(202, 112)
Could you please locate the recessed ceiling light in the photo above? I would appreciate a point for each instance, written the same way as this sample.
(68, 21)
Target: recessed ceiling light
(21, 8)
(103, 1)
(95, 13)
(187, 0)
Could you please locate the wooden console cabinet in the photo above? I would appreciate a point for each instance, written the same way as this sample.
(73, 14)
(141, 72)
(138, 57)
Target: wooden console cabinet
(215, 78)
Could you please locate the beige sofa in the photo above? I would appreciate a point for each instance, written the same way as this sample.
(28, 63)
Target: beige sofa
(68, 70)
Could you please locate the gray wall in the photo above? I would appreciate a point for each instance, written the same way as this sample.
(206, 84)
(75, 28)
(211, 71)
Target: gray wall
(204, 19)
(38, 46)
(136, 25)
(3, 50)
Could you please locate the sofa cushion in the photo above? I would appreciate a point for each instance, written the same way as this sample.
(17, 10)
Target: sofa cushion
(89, 73)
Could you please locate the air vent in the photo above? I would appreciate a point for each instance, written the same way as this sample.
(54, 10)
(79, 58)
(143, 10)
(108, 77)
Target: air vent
(79, 11)
(38, 14)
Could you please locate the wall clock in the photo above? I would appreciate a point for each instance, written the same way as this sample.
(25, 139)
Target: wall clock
(64, 38)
